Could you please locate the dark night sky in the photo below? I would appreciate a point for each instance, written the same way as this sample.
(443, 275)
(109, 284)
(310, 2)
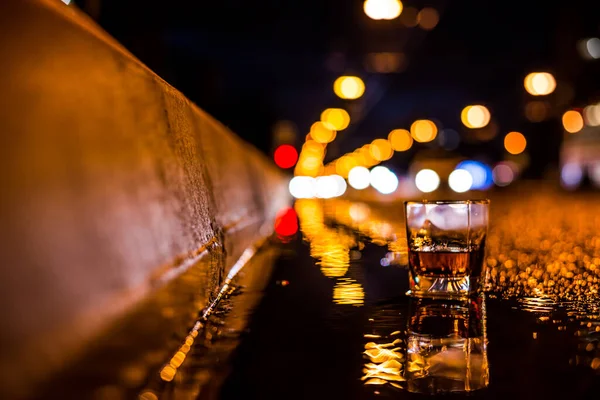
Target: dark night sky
(253, 63)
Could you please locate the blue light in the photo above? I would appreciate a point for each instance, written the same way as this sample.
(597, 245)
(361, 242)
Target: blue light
(481, 173)
(571, 175)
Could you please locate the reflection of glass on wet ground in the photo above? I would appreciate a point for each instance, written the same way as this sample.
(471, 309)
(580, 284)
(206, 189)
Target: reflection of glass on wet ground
(447, 346)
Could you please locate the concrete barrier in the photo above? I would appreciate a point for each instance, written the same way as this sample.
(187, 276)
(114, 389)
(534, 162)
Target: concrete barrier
(112, 183)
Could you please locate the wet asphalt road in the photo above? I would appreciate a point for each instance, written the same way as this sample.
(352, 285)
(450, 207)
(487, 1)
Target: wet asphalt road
(302, 345)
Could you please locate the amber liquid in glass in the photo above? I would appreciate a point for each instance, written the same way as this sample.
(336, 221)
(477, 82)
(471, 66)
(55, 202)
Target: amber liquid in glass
(440, 264)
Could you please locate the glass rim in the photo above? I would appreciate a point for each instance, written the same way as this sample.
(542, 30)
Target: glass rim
(476, 201)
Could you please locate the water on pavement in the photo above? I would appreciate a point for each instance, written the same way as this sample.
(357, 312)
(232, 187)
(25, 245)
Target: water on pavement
(334, 319)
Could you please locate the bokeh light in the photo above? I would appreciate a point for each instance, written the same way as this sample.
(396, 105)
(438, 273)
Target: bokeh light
(590, 48)
(571, 175)
(330, 169)
(325, 187)
(593, 47)
(594, 173)
(592, 115)
(167, 373)
(503, 174)
(383, 180)
(148, 395)
(400, 139)
(321, 133)
(382, 9)
(481, 174)
(359, 178)
(359, 212)
(311, 155)
(285, 156)
(460, 180)
(344, 164)
(340, 184)
(286, 222)
(335, 118)
(423, 130)
(349, 87)
(572, 121)
(427, 180)
(381, 149)
(364, 156)
(515, 142)
(302, 187)
(476, 116)
(310, 162)
(428, 18)
(313, 147)
(329, 186)
(540, 83)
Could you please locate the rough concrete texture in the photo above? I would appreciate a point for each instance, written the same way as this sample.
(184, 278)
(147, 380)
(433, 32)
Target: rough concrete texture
(112, 182)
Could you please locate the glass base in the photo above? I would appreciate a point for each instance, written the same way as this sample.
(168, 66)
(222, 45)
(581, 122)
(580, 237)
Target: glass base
(432, 386)
(442, 287)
